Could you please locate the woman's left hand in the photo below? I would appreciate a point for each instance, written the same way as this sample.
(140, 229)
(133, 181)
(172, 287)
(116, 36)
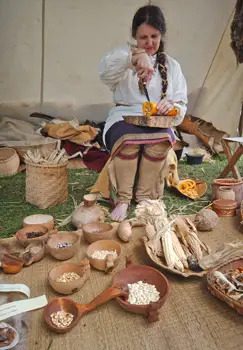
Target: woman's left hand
(164, 107)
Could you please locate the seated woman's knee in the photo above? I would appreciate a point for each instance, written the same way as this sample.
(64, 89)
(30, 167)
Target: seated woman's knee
(157, 150)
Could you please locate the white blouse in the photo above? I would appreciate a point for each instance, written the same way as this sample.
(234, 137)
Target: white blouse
(116, 71)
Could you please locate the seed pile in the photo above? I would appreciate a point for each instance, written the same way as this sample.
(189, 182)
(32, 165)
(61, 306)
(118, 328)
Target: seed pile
(102, 254)
(34, 234)
(62, 319)
(63, 244)
(68, 277)
(141, 293)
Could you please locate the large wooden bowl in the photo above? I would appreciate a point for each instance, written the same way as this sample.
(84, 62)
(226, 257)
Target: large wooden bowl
(154, 121)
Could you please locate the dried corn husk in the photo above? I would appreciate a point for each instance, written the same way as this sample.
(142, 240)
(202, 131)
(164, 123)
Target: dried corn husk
(42, 157)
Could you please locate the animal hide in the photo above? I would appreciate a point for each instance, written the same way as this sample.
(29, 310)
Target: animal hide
(205, 131)
(237, 32)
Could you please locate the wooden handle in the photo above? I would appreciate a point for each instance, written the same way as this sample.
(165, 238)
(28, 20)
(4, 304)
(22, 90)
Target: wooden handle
(102, 298)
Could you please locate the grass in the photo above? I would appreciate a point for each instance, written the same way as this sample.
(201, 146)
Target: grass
(13, 207)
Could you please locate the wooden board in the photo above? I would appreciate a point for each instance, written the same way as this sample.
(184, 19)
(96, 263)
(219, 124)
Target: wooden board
(155, 121)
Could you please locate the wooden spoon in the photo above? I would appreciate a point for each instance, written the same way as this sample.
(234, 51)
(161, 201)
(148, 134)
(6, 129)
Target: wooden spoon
(79, 310)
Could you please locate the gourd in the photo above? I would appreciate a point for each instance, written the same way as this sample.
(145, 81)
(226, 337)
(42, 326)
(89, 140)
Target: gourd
(125, 231)
(150, 108)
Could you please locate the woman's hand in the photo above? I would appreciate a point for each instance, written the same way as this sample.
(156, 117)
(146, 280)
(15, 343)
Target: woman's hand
(143, 65)
(164, 107)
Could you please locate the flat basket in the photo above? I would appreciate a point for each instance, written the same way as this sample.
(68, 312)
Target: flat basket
(154, 121)
(46, 184)
(9, 161)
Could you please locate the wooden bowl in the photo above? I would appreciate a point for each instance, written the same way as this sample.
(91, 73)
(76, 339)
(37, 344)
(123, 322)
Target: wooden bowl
(22, 235)
(39, 219)
(105, 264)
(82, 269)
(61, 237)
(135, 273)
(201, 187)
(97, 231)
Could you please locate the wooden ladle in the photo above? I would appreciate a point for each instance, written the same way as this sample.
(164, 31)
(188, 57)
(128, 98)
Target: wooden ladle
(79, 310)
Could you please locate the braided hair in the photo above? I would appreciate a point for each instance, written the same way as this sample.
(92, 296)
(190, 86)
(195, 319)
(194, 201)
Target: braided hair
(153, 16)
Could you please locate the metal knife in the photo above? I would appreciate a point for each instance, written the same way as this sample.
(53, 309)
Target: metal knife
(146, 91)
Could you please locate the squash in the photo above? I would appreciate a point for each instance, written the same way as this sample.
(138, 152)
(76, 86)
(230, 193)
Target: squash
(150, 108)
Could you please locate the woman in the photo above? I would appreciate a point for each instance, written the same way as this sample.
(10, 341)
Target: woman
(137, 150)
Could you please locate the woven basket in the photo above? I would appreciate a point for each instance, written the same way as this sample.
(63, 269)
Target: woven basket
(155, 121)
(9, 161)
(44, 147)
(46, 184)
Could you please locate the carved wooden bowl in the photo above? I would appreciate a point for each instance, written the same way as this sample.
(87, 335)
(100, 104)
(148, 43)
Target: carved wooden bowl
(134, 273)
(95, 231)
(22, 235)
(106, 264)
(62, 237)
(82, 269)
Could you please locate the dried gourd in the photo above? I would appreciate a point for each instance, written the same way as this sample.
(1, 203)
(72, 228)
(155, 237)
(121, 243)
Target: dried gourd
(125, 231)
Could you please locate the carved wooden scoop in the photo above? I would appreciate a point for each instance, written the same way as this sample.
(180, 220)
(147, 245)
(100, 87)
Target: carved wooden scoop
(79, 310)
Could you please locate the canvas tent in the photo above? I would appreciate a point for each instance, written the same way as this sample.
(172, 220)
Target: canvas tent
(50, 52)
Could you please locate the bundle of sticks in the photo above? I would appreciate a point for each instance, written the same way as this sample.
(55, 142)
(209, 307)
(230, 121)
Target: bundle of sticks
(43, 157)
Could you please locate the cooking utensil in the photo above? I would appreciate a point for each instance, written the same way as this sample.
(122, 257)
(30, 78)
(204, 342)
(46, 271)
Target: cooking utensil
(146, 91)
(79, 310)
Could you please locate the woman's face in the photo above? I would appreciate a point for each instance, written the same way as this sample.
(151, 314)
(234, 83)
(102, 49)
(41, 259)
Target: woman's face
(148, 38)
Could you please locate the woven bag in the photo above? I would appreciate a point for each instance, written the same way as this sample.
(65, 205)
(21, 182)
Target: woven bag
(46, 184)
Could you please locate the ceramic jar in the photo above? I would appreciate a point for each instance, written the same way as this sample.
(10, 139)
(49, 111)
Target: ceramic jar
(225, 192)
(224, 207)
(235, 184)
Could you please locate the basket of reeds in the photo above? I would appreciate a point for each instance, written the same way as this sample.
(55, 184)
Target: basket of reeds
(9, 161)
(46, 178)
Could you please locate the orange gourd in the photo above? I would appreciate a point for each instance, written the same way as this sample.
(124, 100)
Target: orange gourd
(150, 108)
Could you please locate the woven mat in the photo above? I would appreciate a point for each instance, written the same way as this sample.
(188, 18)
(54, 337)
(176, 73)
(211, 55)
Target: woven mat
(190, 319)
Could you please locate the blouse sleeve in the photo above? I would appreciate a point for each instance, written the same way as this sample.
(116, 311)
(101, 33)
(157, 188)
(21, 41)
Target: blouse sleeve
(114, 65)
(179, 95)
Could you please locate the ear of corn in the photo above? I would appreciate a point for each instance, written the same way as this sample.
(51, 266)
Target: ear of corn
(178, 249)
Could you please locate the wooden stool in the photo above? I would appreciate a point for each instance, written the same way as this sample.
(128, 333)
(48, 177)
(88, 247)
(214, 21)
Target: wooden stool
(232, 158)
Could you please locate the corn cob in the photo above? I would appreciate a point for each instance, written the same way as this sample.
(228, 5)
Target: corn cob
(169, 254)
(186, 251)
(178, 249)
(150, 231)
(195, 246)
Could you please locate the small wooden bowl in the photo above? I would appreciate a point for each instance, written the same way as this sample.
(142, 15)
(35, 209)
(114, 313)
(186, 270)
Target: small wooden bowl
(104, 264)
(61, 237)
(82, 269)
(22, 238)
(39, 219)
(96, 231)
(11, 264)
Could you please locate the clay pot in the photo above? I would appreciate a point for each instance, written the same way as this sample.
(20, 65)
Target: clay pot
(61, 237)
(235, 184)
(82, 269)
(225, 192)
(87, 212)
(22, 235)
(109, 262)
(97, 231)
(224, 207)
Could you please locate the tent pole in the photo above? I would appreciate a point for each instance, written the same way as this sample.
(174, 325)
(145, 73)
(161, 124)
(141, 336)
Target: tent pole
(42, 54)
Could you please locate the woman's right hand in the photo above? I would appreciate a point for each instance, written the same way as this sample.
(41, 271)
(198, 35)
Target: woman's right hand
(142, 63)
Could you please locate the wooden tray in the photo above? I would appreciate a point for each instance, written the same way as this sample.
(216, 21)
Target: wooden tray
(201, 189)
(155, 121)
(160, 263)
(236, 305)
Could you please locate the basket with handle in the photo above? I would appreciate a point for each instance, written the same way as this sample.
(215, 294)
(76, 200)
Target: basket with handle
(46, 184)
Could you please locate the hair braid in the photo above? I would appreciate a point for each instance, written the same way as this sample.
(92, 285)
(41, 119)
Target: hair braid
(161, 61)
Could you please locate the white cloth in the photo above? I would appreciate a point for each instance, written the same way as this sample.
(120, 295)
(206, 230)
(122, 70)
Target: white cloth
(117, 73)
